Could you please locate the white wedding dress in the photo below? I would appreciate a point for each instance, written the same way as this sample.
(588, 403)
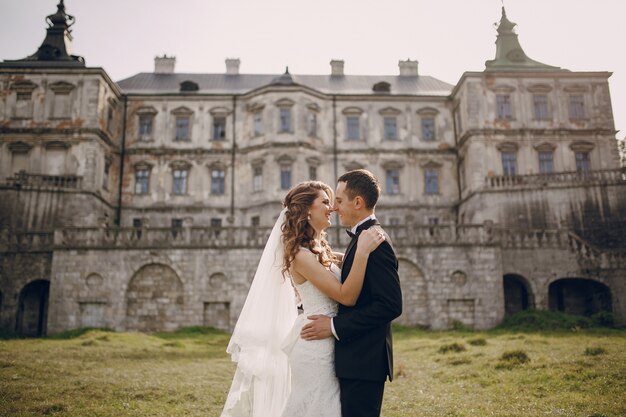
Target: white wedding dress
(314, 386)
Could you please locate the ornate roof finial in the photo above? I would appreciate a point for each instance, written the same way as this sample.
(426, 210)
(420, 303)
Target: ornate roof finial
(56, 48)
(509, 52)
(284, 79)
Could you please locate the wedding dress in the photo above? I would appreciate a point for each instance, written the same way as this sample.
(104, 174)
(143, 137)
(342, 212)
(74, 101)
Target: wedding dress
(314, 386)
(278, 373)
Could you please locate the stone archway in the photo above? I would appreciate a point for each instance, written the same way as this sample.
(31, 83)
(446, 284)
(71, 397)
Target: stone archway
(154, 300)
(414, 295)
(32, 309)
(518, 295)
(579, 296)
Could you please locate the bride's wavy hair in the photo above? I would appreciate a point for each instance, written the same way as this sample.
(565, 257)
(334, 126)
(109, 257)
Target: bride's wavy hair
(297, 231)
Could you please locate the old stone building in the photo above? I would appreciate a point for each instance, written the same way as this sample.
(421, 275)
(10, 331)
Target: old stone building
(144, 204)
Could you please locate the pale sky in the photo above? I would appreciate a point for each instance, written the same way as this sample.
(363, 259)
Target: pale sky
(447, 37)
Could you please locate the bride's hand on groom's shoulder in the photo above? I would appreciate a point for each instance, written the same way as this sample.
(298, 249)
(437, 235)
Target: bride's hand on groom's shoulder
(370, 239)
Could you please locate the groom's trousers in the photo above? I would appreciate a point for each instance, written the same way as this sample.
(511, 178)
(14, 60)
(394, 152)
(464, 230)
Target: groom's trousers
(360, 398)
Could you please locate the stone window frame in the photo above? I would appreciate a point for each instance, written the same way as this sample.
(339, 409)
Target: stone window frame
(148, 112)
(142, 166)
(219, 113)
(180, 166)
(313, 163)
(390, 113)
(428, 113)
(23, 89)
(108, 161)
(504, 90)
(311, 120)
(256, 111)
(389, 167)
(217, 166)
(257, 168)
(20, 147)
(183, 112)
(61, 88)
(545, 148)
(352, 165)
(508, 148)
(353, 112)
(285, 164)
(436, 167)
(285, 106)
(582, 155)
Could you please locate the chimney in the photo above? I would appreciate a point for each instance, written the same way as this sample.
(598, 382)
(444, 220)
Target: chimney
(164, 64)
(408, 68)
(232, 66)
(336, 68)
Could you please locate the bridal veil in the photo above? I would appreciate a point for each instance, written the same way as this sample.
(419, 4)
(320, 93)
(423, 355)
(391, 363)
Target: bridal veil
(261, 384)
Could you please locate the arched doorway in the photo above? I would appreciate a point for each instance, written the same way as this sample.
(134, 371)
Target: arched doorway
(154, 300)
(517, 294)
(414, 295)
(580, 296)
(32, 309)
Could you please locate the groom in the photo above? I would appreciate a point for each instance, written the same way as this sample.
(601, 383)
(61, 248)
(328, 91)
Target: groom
(363, 350)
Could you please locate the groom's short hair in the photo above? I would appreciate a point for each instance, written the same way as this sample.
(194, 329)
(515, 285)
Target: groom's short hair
(361, 182)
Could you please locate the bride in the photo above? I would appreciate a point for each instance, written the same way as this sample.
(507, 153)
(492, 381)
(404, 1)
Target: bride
(278, 373)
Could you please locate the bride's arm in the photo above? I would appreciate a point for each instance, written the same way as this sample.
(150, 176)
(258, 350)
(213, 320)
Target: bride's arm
(307, 265)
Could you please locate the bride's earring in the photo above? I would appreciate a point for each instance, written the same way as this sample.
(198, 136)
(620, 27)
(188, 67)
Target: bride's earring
(309, 217)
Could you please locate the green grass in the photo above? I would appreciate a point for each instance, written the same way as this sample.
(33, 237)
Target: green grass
(187, 373)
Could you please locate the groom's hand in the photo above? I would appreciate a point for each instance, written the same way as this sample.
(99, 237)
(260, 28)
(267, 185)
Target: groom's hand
(317, 329)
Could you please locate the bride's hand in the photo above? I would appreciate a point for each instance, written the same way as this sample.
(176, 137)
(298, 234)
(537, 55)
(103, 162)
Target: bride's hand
(370, 239)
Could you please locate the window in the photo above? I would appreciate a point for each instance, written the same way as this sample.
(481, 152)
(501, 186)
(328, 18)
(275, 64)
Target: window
(431, 180)
(145, 126)
(180, 181)
(391, 128)
(219, 128)
(142, 181)
(583, 163)
(394, 221)
(23, 105)
(177, 226)
(257, 179)
(353, 128)
(540, 104)
(255, 221)
(312, 173)
(285, 119)
(285, 177)
(433, 221)
(110, 119)
(509, 163)
(576, 107)
(105, 175)
(428, 128)
(216, 222)
(218, 183)
(258, 123)
(393, 181)
(312, 124)
(182, 128)
(503, 105)
(546, 162)
(137, 225)
(24, 96)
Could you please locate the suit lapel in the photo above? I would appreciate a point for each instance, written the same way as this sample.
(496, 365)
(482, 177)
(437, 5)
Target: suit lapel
(349, 255)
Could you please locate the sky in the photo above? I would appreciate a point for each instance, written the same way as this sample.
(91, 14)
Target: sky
(447, 37)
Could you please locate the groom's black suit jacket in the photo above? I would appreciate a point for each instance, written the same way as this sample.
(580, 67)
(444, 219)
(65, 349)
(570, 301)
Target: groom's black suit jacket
(364, 348)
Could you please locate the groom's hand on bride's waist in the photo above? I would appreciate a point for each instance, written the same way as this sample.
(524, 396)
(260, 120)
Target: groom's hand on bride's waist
(317, 329)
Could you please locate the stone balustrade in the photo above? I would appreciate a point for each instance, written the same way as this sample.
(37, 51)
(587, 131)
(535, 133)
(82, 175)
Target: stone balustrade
(255, 238)
(568, 177)
(24, 179)
(25, 241)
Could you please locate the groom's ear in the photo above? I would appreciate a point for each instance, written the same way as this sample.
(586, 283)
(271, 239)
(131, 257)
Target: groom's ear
(359, 203)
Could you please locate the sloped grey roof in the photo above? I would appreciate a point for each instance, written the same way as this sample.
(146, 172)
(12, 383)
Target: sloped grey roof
(152, 83)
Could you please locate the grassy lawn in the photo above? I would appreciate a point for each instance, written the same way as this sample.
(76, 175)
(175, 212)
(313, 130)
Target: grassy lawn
(496, 373)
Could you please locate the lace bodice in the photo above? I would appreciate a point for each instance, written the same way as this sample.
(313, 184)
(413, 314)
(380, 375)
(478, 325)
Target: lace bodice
(316, 302)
